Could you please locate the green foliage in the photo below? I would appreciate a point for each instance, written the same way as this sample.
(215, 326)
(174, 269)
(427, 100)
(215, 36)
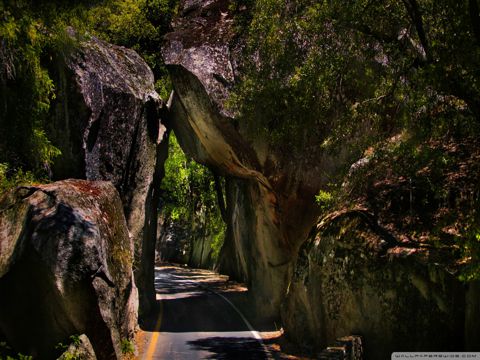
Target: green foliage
(137, 24)
(324, 199)
(425, 190)
(357, 69)
(218, 239)
(127, 347)
(6, 353)
(184, 184)
(25, 90)
(189, 198)
(20, 356)
(322, 75)
(31, 32)
(71, 355)
(75, 340)
(16, 178)
(61, 346)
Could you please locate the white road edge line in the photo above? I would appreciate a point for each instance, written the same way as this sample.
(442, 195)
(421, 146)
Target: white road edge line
(255, 333)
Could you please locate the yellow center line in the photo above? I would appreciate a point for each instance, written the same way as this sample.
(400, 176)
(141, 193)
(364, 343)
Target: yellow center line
(156, 332)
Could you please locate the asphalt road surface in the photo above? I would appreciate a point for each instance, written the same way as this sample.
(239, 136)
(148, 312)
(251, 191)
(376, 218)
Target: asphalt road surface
(196, 318)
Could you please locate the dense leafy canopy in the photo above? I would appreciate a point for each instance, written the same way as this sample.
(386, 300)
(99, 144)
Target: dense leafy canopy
(137, 24)
(25, 90)
(334, 65)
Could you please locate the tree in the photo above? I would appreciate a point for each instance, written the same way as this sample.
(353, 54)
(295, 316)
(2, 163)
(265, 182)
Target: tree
(189, 200)
(334, 65)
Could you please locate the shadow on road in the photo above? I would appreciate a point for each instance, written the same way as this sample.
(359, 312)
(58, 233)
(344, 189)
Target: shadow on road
(191, 320)
(230, 348)
(187, 302)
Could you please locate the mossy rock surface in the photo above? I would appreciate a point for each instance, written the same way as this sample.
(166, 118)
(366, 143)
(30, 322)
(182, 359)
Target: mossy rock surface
(352, 278)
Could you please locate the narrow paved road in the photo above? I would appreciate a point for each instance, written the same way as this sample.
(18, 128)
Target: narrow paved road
(196, 319)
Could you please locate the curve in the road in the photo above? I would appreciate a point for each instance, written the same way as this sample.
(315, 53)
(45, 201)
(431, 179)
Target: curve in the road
(190, 324)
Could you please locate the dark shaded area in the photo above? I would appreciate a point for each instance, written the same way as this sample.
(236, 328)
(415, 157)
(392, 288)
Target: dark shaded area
(35, 316)
(18, 112)
(93, 133)
(25, 309)
(152, 115)
(230, 348)
(145, 275)
(220, 198)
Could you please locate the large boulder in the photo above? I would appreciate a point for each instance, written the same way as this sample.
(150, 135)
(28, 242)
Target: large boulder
(106, 122)
(66, 268)
(395, 260)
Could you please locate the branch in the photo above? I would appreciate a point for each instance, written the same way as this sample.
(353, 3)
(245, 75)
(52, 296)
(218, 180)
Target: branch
(415, 15)
(380, 37)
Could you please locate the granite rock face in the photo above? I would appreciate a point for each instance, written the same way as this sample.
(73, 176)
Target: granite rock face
(66, 268)
(349, 279)
(106, 121)
(271, 193)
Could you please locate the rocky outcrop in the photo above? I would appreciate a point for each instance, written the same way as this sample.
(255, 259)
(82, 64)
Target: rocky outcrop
(66, 268)
(386, 262)
(271, 194)
(352, 277)
(106, 122)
